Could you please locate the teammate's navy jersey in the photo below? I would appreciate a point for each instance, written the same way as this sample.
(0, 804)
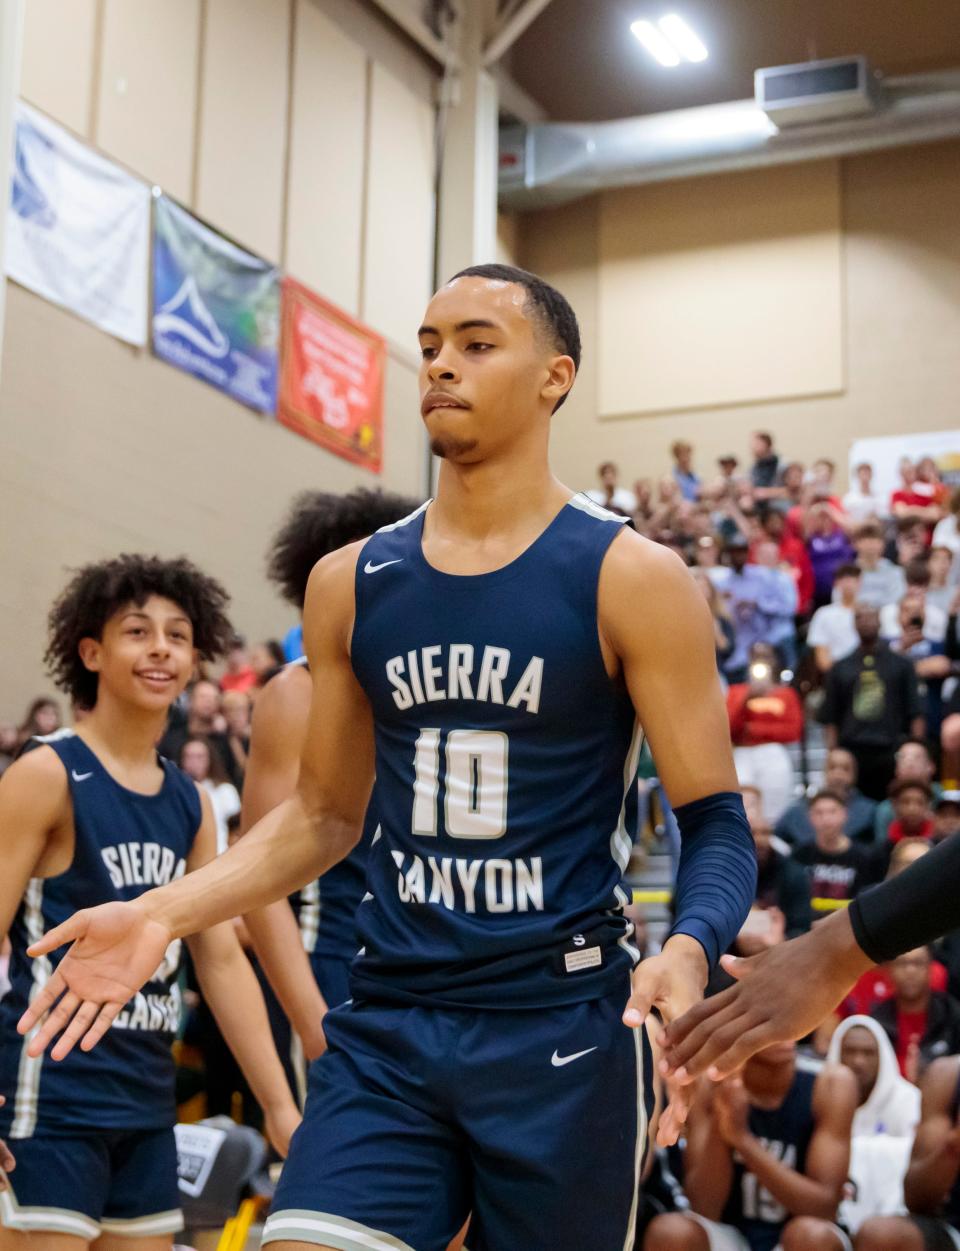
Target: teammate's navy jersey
(125, 843)
(326, 909)
(785, 1133)
(506, 759)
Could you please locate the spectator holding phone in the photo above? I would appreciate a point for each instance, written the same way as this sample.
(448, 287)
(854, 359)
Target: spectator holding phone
(914, 643)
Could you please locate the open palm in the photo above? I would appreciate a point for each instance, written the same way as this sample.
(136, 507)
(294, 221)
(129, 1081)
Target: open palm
(115, 949)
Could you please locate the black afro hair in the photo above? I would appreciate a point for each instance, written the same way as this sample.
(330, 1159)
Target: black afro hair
(318, 523)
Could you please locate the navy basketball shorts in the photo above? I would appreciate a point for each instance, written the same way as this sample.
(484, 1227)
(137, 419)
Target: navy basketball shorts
(534, 1121)
(88, 1182)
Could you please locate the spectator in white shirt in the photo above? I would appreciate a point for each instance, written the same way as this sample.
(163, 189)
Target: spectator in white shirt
(860, 501)
(884, 1124)
(946, 533)
(198, 761)
(832, 634)
(934, 617)
(609, 495)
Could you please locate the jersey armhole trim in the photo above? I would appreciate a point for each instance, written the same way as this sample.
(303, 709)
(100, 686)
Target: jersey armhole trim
(618, 676)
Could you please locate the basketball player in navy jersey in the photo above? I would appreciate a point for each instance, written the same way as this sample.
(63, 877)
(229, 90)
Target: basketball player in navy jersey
(305, 946)
(97, 816)
(491, 659)
(766, 1161)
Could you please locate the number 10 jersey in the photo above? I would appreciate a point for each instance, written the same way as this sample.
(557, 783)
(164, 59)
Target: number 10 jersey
(506, 763)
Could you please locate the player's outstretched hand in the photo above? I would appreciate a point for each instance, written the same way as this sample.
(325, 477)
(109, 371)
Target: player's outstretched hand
(671, 982)
(7, 1162)
(780, 995)
(279, 1124)
(115, 949)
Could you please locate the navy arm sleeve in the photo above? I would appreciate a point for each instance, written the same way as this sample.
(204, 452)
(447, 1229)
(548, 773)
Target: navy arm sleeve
(717, 878)
(912, 909)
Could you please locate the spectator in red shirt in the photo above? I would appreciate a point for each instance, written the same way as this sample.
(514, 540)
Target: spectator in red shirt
(918, 498)
(764, 715)
(239, 674)
(911, 805)
(876, 985)
(921, 1023)
(928, 476)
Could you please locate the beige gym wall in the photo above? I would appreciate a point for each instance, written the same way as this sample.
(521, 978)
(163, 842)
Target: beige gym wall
(895, 331)
(274, 119)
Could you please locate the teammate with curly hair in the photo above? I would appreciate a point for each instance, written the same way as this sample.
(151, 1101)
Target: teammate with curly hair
(305, 946)
(88, 818)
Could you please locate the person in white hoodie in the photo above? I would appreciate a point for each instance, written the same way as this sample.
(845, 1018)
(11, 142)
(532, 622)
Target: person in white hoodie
(887, 1115)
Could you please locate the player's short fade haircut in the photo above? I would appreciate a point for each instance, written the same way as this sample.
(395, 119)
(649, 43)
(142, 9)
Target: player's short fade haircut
(546, 306)
(98, 591)
(318, 523)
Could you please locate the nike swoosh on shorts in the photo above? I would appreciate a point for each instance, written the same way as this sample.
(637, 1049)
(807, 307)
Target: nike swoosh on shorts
(558, 1061)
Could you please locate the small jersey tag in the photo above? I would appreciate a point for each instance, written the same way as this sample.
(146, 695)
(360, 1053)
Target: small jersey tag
(587, 958)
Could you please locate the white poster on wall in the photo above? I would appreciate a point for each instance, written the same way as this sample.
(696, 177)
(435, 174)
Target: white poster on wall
(78, 232)
(885, 454)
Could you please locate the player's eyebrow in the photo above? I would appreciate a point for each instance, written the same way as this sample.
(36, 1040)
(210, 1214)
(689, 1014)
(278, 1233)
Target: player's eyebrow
(134, 612)
(475, 323)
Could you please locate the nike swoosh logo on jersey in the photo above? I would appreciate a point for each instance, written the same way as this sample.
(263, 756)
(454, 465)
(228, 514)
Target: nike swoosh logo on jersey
(369, 567)
(81, 777)
(558, 1061)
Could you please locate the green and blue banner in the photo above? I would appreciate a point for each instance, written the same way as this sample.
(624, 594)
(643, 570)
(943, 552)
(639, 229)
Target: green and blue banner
(216, 307)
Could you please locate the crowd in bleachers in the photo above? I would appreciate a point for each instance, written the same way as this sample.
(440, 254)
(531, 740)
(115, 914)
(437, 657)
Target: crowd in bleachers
(811, 591)
(835, 620)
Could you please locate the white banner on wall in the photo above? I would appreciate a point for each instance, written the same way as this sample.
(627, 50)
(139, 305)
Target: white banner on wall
(78, 230)
(885, 454)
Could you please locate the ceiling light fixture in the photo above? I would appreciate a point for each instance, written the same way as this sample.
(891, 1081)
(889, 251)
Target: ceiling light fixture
(688, 44)
(656, 43)
(670, 40)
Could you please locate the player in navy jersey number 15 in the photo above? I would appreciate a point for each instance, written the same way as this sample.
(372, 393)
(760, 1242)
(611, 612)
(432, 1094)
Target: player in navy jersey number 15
(494, 659)
(90, 817)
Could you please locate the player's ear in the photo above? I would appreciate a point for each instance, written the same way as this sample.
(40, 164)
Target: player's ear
(90, 651)
(561, 373)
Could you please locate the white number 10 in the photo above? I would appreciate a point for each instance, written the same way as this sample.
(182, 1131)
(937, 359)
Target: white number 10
(475, 803)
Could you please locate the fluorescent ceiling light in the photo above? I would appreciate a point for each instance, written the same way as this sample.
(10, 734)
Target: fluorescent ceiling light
(656, 43)
(670, 41)
(689, 45)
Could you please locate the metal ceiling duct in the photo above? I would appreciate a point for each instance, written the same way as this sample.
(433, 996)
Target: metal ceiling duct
(555, 162)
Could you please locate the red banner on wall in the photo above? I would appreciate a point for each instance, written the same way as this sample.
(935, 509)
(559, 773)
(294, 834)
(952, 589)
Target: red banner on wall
(331, 377)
